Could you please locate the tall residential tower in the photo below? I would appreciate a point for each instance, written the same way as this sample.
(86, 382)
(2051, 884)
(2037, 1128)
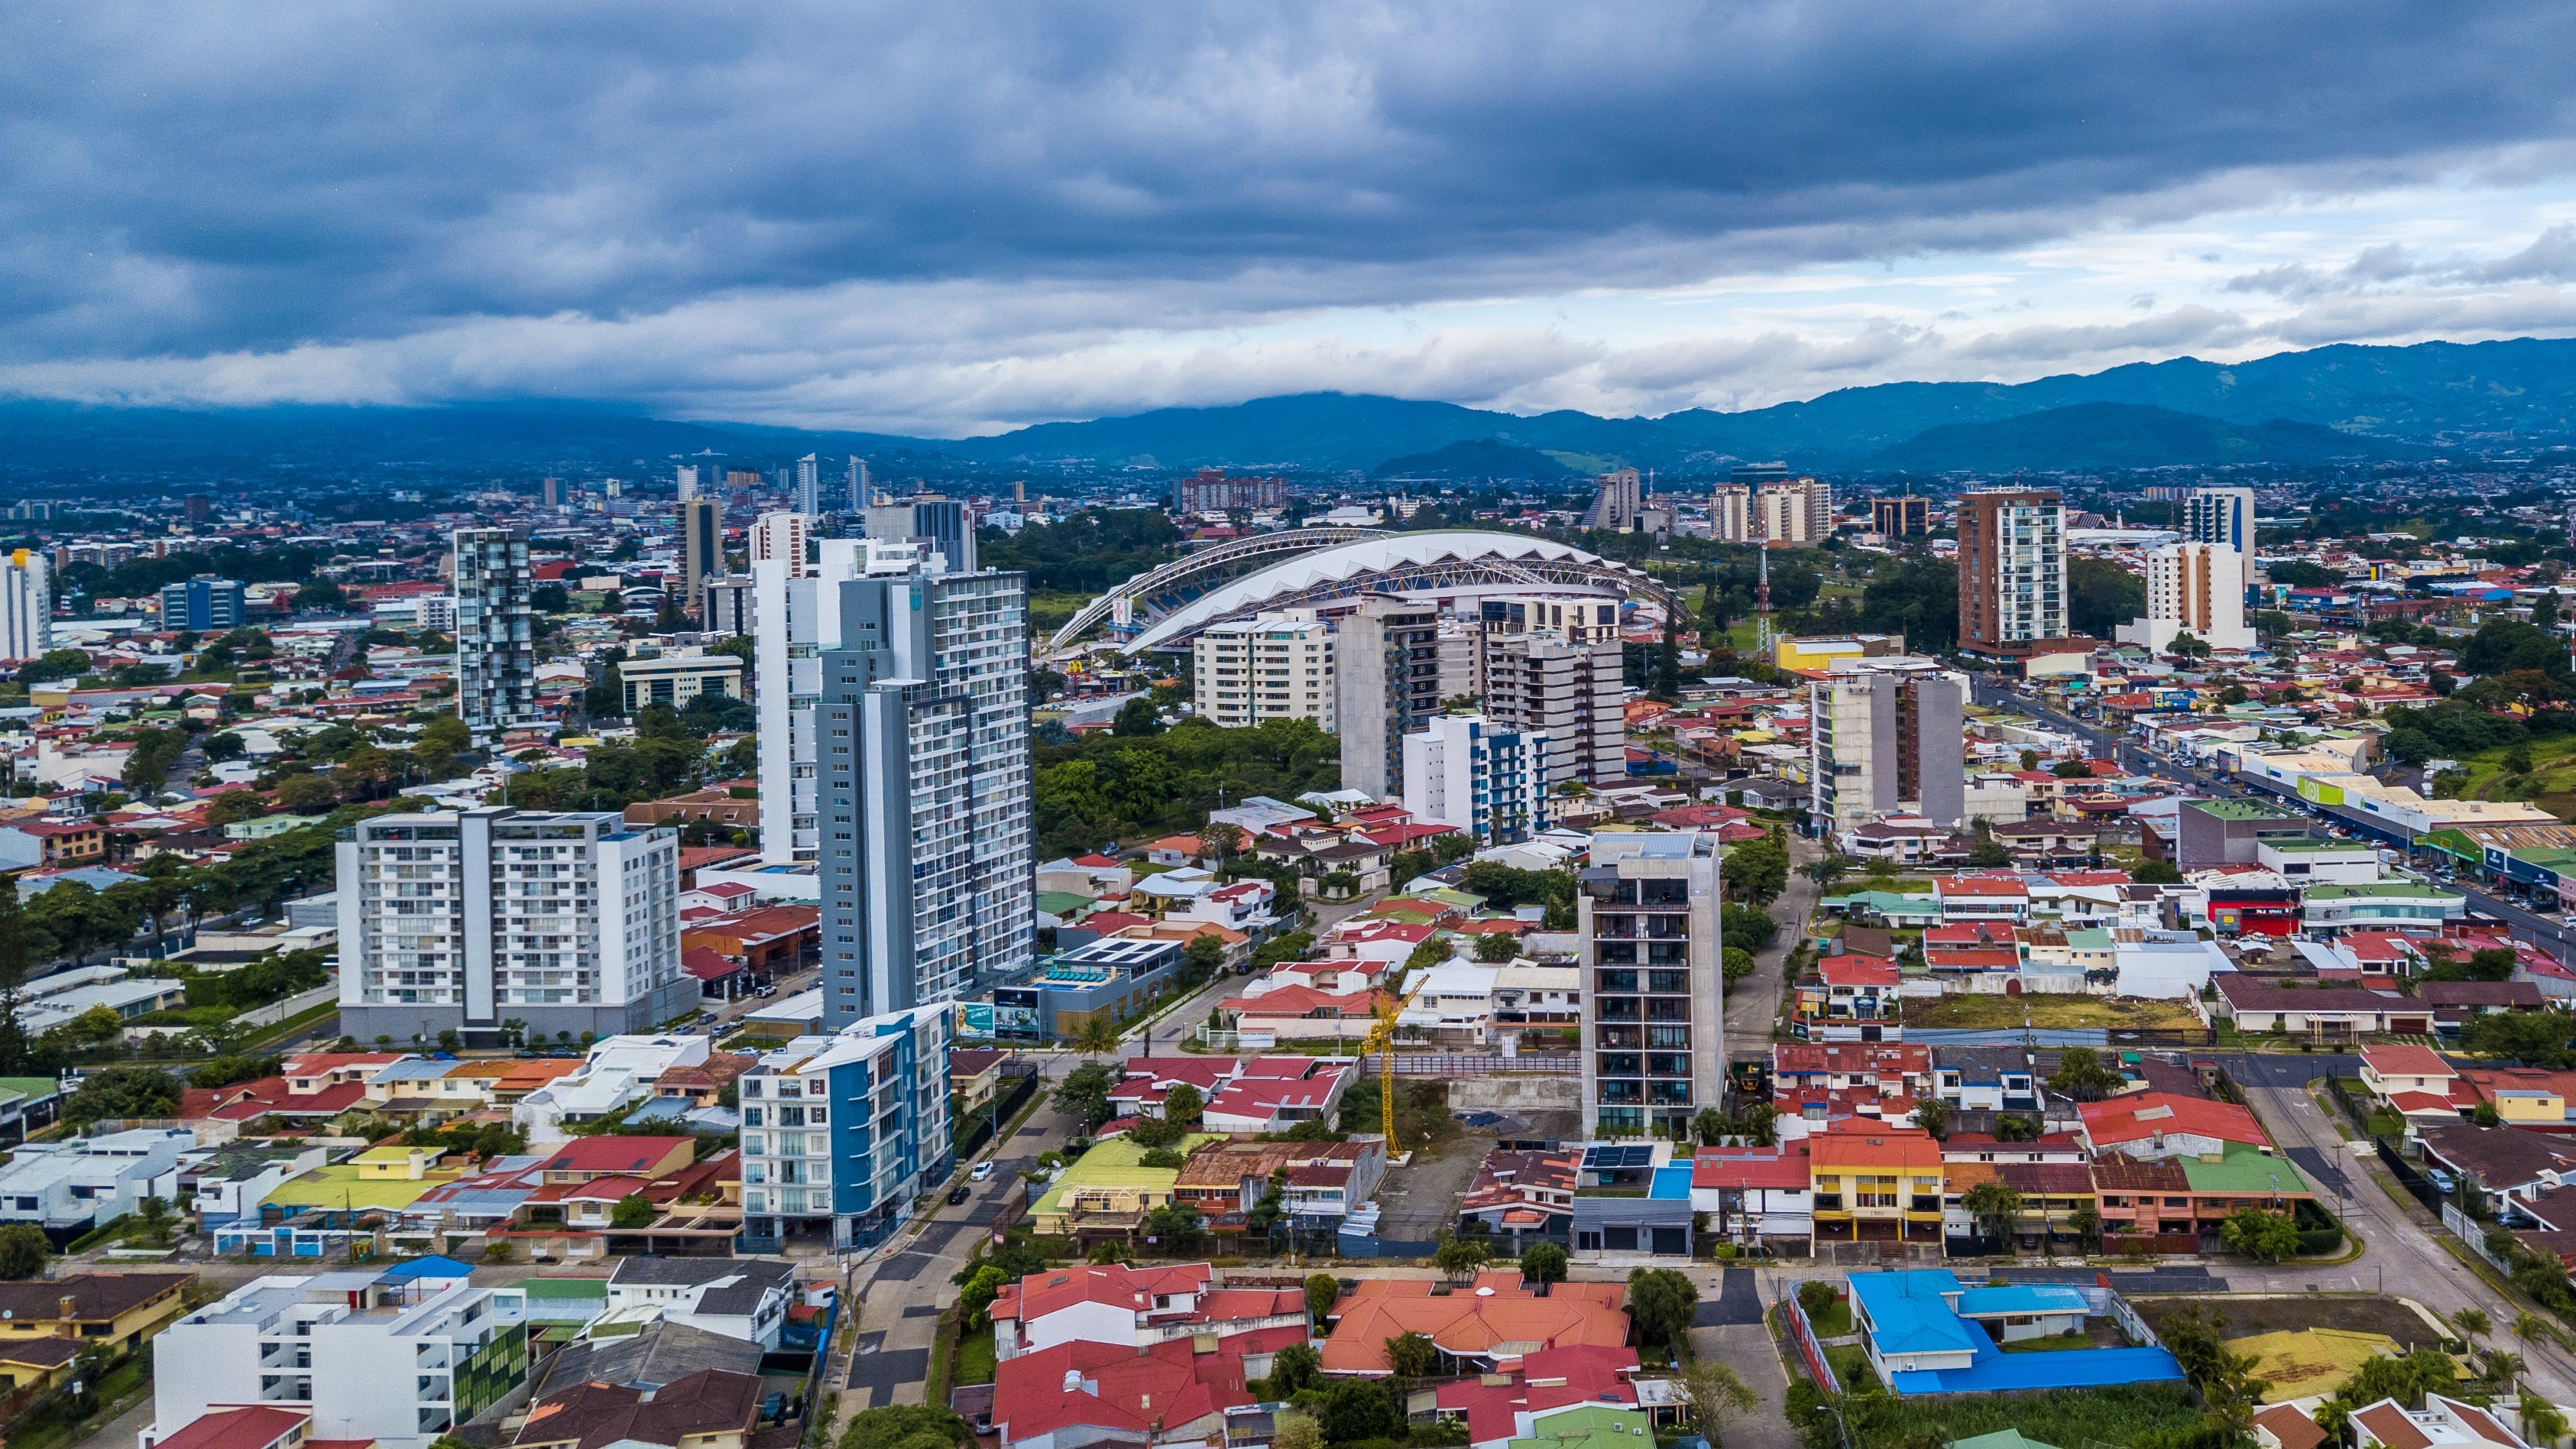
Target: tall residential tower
(496, 663)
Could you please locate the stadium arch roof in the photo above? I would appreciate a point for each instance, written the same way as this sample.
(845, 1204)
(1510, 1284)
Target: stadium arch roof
(1403, 563)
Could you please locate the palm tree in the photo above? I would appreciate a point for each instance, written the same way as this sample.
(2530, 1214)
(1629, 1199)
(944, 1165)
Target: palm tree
(2527, 1326)
(1099, 1036)
(2471, 1322)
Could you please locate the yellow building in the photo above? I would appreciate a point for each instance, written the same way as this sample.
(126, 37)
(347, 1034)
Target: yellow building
(396, 1164)
(114, 1309)
(1819, 651)
(1109, 1189)
(1879, 1187)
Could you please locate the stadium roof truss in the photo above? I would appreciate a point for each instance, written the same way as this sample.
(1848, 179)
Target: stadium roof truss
(1326, 565)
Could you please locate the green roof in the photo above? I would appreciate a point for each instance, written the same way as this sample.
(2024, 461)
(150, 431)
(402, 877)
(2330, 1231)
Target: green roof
(2242, 810)
(1118, 1163)
(1447, 897)
(2093, 940)
(34, 1089)
(2000, 1439)
(330, 1187)
(2246, 1170)
(1061, 903)
(565, 1287)
(1882, 902)
(2387, 888)
(1583, 1422)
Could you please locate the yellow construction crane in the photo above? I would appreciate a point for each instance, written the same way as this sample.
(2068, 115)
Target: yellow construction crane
(1381, 1040)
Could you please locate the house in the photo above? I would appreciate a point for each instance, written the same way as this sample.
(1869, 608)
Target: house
(1753, 1194)
(708, 1409)
(2442, 1423)
(1300, 1013)
(1977, 898)
(250, 1427)
(1879, 1186)
(1499, 1409)
(1924, 1332)
(2151, 1126)
(2416, 1071)
(1886, 1068)
(2507, 1167)
(1491, 1327)
(70, 1187)
(1848, 998)
(2338, 1013)
(114, 1309)
(1106, 1192)
(1274, 1094)
(1133, 1308)
(585, 1158)
(1081, 1393)
(2526, 1097)
(1522, 1195)
(744, 1298)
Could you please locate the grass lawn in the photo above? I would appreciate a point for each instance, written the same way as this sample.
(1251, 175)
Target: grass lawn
(1834, 1322)
(2551, 785)
(2003, 1013)
(1851, 1366)
(975, 1357)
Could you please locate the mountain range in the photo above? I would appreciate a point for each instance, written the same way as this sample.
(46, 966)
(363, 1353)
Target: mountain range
(2323, 405)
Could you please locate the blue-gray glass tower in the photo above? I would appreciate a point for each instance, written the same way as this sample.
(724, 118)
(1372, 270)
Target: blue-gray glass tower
(924, 816)
(203, 603)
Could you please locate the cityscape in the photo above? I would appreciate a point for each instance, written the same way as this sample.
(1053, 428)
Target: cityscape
(1757, 727)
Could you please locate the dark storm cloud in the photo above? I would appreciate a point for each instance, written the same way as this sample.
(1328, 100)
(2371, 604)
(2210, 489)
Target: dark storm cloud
(207, 177)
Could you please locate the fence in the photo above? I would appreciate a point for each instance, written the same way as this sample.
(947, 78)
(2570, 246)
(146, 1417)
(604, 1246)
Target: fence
(2062, 1037)
(2472, 1232)
(1803, 1334)
(2342, 1088)
(1525, 1065)
(2408, 1175)
(2178, 1244)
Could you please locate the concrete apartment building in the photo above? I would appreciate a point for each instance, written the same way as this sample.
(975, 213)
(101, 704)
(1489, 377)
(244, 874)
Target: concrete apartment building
(2231, 832)
(1387, 678)
(841, 1133)
(1552, 666)
(1654, 1050)
(567, 922)
(925, 812)
(1276, 666)
(496, 662)
(26, 605)
(1485, 778)
(2012, 571)
(1886, 736)
(208, 603)
(701, 552)
(2196, 589)
(1616, 506)
(677, 676)
(398, 1362)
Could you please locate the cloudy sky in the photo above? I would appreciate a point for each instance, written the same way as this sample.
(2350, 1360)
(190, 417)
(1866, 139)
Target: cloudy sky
(948, 219)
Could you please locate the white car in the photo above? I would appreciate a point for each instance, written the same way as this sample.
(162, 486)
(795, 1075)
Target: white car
(982, 1171)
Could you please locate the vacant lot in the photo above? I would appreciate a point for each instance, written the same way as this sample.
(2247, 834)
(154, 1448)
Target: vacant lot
(2353, 1312)
(2003, 1013)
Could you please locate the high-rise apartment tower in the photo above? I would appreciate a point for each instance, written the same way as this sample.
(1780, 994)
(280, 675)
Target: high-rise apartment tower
(2012, 570)
(1654, 1022)
(496, 665)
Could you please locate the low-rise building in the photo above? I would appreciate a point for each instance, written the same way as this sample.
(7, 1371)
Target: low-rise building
(69, 1187)
(744, 1298)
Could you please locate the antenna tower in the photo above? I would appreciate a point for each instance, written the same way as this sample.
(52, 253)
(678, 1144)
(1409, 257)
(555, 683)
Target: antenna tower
(1762, 604)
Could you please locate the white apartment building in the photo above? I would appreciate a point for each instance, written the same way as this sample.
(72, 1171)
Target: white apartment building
(2196, 589)
(1469, 772)
(1730, 513)
(1886, 735)
(1277, 666)
(1553, 666)
(396, 1362)
(496, 662)
(566, 922)
(782, 536)
(26, 605)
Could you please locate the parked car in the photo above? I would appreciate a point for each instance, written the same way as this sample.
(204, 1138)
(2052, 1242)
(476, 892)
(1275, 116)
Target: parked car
(983, 1170)
(2442, 1179)
(959, 1194)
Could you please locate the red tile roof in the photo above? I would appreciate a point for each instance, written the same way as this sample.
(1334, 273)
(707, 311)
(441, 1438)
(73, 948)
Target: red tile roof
(2159, 1114)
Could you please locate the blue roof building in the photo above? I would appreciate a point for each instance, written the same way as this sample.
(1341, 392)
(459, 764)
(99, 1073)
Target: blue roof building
(1926, 1333)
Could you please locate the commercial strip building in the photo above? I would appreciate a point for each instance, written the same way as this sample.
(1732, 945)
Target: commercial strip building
(566, 922)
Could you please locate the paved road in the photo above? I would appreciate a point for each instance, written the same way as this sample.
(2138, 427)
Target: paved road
(1753, 1004)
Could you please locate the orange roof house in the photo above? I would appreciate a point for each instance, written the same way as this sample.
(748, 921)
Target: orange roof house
(1495, 1323)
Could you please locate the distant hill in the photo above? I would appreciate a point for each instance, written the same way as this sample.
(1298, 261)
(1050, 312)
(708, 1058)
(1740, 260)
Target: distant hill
(2459, 398)
(1483, 458)
(2124, 435)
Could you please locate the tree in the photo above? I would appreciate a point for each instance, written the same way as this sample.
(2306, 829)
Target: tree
(2101, 596)
(1322, 1289)
(1661, 1302)
(1294, 1367)
(121, 1092)
(23, 1251)
(975, 1299)
(2259, 1234)
(306, 794)
(2081, 1075)
(1543, 1263)
(1993, 1205)
(1494, 948)
(2157, 872)
(1826, 869)
(2471, 1322)
(1203, 956)
(1988, 853)
(1715, 1393)
(1412, 1356)
(1137, 717)
(1933, 1116)
(1100, 1035)
(156, 1215)
(632, 1211)
(1183, 1105)
(1460, 1257)
(1356, 1409)
(1292, 1431)
(906, 1426)
(1756, 871)
(2014, 1127)
(1172, 1223)
(1084, 1093)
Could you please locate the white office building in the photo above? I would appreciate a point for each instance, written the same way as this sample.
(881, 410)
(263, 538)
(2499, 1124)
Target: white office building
(26, 605)
(1277, 666)
(2196, 589)
(397, 1361)
(496, 662)
(564, 922)
(924, 812)
(1486, 779)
